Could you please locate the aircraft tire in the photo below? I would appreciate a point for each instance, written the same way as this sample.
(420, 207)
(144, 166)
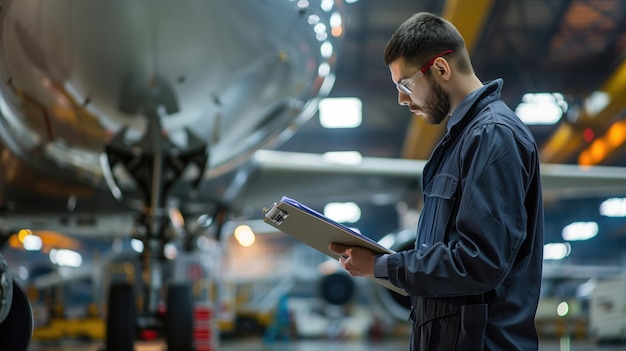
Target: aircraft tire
(6, 289)
(121, 318)
(17, 329)
(179, 318)
(337, 288)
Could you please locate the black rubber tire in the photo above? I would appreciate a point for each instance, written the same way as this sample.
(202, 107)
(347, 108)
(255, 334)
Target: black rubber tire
(16, 330)
(6, 289)
(121, 318)
(337, 288)
(179, 318)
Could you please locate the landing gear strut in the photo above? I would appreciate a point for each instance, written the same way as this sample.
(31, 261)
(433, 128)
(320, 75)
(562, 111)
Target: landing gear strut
(155, 164)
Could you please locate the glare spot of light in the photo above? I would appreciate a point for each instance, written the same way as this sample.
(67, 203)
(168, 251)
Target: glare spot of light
(66, 258)
(556, 251)
(323, 70)
(344, 112)
(326, 49)
(321, 36)
(136, 245)
(541, 108)
(613, 207)
(23, 233)
(343, 157)
(562, 309)
(244, 235)
(579, 231)
(335, 20)
(170, 251)
(584, 290)
(23, 273)
(32, 243)
(596, 102)
(327, 5)
(313, 19)
(343, 212)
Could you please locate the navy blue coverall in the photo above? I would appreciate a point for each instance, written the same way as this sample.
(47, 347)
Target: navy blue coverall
(474, 275)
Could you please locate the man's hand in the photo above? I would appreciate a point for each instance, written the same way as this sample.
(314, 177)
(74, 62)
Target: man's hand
(357, 261)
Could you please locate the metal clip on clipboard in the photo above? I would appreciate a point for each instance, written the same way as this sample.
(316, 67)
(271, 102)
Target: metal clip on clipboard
(275, 214)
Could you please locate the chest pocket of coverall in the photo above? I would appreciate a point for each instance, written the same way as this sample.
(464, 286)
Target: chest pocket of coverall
(439, 198)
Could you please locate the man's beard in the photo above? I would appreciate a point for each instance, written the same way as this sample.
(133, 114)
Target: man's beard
(437, 105)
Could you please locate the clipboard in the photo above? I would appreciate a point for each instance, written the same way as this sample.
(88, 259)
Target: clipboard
(318, 231)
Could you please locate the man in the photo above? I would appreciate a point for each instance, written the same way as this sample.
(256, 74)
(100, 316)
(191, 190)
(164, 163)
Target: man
(474, 275)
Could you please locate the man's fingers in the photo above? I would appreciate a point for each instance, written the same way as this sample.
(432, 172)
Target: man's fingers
(337, 248)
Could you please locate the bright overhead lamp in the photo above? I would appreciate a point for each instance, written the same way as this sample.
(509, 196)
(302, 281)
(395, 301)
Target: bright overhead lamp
(66, 258)
(613, 207)
(343, 212)
(579, 231)
(244, 235)
(346, 112)
(32, 243)
(327, 5)
(541, 108)
(343, 157)
(326, 49)
(562, 309)
(556, 251)
(596, 102)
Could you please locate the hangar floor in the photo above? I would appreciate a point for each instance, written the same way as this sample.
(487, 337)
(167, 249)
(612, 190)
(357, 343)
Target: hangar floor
(307, 345)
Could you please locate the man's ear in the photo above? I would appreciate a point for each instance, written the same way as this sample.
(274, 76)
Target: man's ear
(442, 67)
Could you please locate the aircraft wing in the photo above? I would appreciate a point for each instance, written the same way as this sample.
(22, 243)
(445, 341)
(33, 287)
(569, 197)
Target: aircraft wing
(311, 179)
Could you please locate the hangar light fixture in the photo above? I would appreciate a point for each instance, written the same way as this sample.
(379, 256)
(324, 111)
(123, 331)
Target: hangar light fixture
(336, 25)
(541, 108)
(323, 70)
(343, 212)
(346, 112)
(613, 207)
(66, 258)
(170, 251)
(136, 245)
(578, 231)
(327, 5)
(556, 251)
(32, 243)
(326, 49)
(562, 309)
(313, 19)
(585, 289)
(244, 235)
(343, 157)
(596, 102)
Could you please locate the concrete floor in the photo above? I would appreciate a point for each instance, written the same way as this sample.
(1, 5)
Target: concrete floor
(308, 345)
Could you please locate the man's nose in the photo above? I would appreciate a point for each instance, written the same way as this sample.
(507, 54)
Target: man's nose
(403, 99)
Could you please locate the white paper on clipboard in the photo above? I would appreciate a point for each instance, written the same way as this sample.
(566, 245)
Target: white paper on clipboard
(318, 231)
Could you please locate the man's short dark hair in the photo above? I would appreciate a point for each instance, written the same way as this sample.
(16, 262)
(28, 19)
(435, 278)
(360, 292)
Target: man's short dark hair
(422, 37)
